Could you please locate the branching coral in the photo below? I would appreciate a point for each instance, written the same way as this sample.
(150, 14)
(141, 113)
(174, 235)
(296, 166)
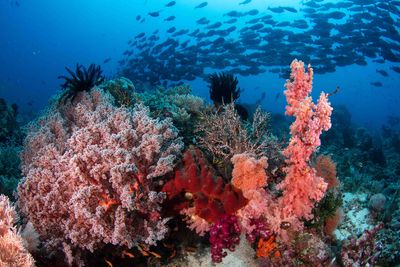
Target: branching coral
(92, 171)
(210, 197)
(12, 250)
(224, 234)
(223, 134)
(302, 187)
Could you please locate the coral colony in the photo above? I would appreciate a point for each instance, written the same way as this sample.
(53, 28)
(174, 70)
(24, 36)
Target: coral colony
(108, 179)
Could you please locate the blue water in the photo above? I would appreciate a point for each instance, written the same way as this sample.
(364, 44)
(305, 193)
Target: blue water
(39, 38)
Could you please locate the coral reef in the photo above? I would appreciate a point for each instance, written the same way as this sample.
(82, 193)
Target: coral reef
(104, 180)
(91, 172)
(362, 251)
(267, 214)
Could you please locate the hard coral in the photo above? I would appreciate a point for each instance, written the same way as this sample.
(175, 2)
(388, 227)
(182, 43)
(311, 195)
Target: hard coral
(177, 103)
(92, 171)
(224, 134)
(123, 91)
(211, 198)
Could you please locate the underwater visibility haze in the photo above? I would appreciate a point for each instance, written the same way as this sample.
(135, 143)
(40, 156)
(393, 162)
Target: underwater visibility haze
(200, 133)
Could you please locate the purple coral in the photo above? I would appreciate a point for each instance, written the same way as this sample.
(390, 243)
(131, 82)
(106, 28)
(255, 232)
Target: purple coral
(92, 171)
(224, 234)
(259, 229)
(363, 251)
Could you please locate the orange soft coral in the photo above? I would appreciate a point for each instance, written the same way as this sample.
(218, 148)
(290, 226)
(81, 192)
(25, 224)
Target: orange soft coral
(267, 248)
(249, 173)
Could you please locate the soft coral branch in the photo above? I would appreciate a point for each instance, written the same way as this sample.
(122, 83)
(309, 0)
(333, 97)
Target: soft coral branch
(302, 187)
(211, 197)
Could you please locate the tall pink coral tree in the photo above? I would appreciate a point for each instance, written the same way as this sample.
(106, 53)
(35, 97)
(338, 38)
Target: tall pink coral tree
(302, 187)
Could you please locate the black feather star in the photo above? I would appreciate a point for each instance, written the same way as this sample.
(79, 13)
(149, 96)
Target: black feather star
(82, 80)
(223, 88)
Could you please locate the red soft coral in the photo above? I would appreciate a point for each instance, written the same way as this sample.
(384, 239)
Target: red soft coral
(212, 198)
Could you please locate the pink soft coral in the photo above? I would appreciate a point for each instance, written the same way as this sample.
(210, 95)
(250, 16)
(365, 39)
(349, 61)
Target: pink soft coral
(91, 173)
(12, 250)
(302, 187)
